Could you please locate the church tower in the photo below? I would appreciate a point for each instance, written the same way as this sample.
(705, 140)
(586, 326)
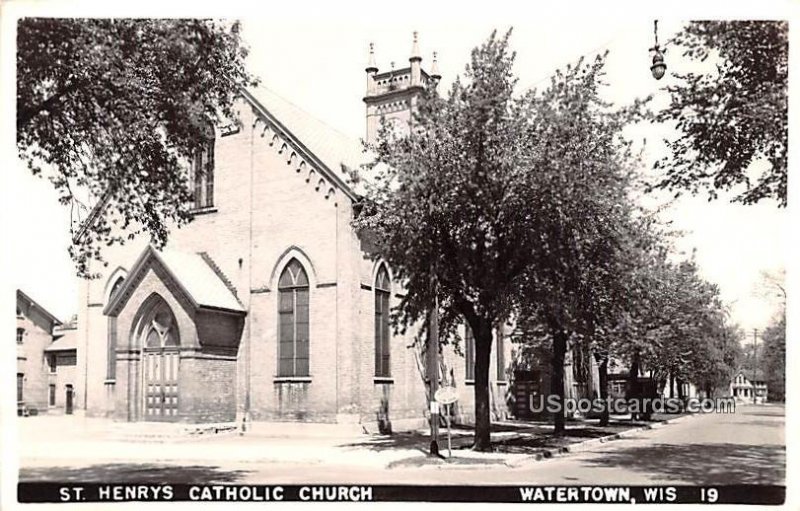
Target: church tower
(393, 94)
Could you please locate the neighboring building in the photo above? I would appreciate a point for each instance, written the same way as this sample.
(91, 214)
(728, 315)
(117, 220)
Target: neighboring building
(266, 306)
(62, 360)
(34, 334)
(749, 386)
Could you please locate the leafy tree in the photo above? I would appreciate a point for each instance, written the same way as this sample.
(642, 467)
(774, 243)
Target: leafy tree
(732, 116)
(449, 204)
(718, 362)
(774, 364)
(114, 108)
(509, 205)
(581, 181)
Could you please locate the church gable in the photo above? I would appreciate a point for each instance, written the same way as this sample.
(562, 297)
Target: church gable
(321, 156)
(194, 283)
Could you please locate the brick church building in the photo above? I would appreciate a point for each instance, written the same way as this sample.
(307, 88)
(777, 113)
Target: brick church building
(265, 306)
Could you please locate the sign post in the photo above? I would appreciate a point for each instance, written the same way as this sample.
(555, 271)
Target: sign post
(447, 396)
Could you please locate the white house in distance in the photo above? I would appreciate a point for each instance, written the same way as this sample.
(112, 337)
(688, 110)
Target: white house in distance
(749, 386)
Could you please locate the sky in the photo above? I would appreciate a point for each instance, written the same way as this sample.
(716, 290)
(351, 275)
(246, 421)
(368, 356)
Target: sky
(316, 59)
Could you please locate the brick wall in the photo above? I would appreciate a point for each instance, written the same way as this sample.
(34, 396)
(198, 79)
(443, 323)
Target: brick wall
(207, 390)
(268, 209)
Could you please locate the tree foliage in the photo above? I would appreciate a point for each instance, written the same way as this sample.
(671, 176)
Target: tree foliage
(506, 202)
(449, 204)
(116, 107)
(774, 365)
(733, 117)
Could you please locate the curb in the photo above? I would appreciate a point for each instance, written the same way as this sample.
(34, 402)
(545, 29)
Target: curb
(587, 444)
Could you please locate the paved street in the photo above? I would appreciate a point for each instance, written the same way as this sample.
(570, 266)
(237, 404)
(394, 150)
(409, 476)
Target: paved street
(746, 447)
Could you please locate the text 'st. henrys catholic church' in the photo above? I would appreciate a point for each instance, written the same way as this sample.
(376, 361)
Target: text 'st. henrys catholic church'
(266, 305)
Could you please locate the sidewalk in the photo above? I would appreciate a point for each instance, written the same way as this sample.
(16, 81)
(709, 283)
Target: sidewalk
(75, 441)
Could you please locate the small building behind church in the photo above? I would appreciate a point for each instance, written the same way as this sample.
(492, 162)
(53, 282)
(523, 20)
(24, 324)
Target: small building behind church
(46, 360)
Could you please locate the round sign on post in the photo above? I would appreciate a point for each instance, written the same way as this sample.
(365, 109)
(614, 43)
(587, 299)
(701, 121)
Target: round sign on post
(446, 395)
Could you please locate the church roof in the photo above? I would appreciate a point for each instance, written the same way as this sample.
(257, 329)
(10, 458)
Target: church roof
(201, 283)
(331, 147)
(325, 145)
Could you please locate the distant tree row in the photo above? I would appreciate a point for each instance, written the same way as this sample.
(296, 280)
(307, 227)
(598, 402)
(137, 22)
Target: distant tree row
(518, 208)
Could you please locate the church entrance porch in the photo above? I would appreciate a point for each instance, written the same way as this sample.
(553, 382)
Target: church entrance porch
(178, 330)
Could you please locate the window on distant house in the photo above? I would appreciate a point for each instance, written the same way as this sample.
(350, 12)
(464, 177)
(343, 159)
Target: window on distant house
(293, 315)
(20, 335)
(52, 400)
(382, 335)
(20, 379)
(68, 359)
(469, 353)
(203, 175)
(51, 362)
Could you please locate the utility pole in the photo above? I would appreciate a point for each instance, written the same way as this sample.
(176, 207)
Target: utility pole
(755, 363)
(433, 347)
(433, 369)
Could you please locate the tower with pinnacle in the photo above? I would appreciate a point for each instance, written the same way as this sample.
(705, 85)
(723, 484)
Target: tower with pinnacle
(393, 94)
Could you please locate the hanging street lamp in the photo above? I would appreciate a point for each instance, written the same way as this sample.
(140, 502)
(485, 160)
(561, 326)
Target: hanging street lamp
(659, 67)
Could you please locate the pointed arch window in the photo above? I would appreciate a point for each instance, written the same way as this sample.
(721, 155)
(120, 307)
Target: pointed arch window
(293, 321)
(203, 172)
(157, 327)
(383, 349)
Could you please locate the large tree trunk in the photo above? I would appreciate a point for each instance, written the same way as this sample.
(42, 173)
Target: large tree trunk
(557, 376)
(602, 370)
(679, 383)
(634, 389)
(483, 349)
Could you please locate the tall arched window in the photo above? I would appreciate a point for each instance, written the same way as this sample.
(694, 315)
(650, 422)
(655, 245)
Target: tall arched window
(203, 172)
(293, 315)
(383, 349)
(111, 358)
(469, 353)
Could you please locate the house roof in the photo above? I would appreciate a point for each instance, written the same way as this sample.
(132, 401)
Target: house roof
(201, 283)
(23, 297)
(68, 341)
(752, 376)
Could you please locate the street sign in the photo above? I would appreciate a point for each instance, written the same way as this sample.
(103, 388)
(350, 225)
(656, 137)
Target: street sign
(434, 407)
(446, 395)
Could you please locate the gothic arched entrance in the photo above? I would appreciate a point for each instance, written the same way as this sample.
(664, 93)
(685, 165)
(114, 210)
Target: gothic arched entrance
(157, 333)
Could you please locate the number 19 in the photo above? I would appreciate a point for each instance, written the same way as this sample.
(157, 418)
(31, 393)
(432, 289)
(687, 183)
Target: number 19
(709, 495)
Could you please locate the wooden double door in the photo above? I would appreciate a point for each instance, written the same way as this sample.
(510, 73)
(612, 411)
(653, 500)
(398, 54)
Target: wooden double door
(161, 396)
